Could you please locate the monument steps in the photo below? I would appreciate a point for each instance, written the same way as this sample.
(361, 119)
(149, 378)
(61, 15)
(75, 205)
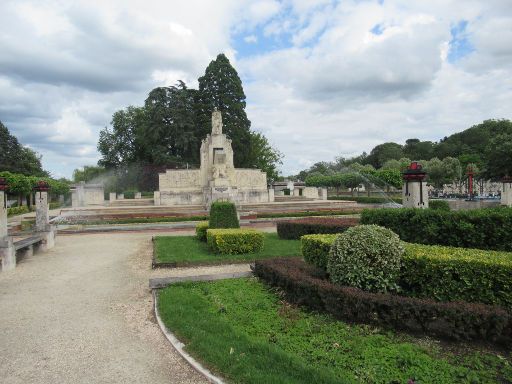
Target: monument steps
(132, 203)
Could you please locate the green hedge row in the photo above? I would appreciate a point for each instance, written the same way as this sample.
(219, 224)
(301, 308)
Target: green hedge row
(315, 248)
(367, 200)
(17, 210)
(201, 229)
(234, 241)
(477, 228)
(439, 204)
(223, 215)
(294, 229)
(439, 273)
(453, 320)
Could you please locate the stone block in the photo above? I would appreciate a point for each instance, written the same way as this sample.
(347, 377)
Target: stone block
(120, 196)
(7, 254)
(271, 196)
(156, 197)
(112, 196)
(138, 195)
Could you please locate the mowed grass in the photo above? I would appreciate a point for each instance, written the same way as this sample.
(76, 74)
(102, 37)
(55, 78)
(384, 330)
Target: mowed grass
(247, 334)
(187, 250)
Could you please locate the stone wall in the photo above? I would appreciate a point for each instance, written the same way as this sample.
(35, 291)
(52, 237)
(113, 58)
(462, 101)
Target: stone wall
(83, 195)
(184, 179)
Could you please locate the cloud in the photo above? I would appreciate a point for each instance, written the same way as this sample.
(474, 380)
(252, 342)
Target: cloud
(325, 79)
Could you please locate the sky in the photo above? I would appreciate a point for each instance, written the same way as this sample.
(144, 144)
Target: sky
(323, 78)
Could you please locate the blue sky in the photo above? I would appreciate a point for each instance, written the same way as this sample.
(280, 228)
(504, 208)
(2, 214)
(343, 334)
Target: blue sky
(322, 78)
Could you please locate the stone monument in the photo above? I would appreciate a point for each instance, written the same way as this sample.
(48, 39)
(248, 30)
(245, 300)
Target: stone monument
(506, 192)
(7, 251)
(43, 227)
(83, 195)
(414, 191)
(216, 179)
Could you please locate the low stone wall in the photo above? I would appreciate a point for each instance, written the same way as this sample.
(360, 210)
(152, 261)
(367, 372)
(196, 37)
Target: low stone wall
(182, 198)
(476, 204)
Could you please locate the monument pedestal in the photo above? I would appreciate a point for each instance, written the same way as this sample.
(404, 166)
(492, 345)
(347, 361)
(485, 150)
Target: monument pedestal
(415, 195)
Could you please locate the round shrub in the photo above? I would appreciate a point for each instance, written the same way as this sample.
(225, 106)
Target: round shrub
(366, 257)
(223, 215)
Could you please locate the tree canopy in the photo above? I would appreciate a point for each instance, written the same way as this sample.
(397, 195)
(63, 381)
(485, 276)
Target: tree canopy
(16, 158)
(167, 131)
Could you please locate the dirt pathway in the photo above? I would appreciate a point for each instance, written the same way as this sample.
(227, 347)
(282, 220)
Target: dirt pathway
(82, 313)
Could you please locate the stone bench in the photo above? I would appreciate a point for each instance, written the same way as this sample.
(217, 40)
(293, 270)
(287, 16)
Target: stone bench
(25, 247)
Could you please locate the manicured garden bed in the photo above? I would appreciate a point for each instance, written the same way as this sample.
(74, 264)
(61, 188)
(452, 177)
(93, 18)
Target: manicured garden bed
(187, 250)
(246, 333)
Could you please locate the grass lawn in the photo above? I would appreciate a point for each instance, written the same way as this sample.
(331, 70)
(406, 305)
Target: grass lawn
(247, 334)
(187, 250)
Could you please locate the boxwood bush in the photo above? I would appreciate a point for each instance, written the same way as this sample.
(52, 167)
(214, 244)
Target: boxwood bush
(476, 228)
(448, 274)
(294, 229)
(315, 249)
(223, 215)
(201, 229)
(366, 257)
(234, 241)
(439, 273)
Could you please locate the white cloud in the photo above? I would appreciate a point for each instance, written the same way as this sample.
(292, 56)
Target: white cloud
(325, 86)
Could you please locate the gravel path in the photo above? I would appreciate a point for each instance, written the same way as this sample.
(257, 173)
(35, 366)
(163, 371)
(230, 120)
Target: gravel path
(82, 313)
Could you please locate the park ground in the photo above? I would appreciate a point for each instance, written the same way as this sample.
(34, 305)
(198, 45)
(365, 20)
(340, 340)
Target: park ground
(82, 313)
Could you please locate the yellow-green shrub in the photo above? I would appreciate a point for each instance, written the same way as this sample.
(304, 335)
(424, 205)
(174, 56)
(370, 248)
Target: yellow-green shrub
(315, 248)
(201, 229)
(234, 240)
(449, 273)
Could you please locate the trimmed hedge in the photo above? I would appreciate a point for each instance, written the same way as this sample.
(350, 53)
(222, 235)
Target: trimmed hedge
(439, 273)
(17, 210)
(366, 257)
(476, 228)
(293, 230)
(315, 249)
(453, 320)
(223, 215)
(447, 274)
(367, 200)
(439, 204)
(234, 241)
(201, 229)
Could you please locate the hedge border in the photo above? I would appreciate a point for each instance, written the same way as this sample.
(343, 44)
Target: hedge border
(295, 229)
(450, 320)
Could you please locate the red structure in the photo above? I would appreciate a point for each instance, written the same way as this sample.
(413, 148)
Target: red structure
(414, 173)
(42, 186)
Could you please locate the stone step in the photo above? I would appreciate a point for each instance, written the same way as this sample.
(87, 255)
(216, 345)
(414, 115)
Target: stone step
(132, 203)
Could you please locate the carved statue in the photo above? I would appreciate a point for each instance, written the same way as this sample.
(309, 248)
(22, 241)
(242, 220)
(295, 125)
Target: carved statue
(216, 122)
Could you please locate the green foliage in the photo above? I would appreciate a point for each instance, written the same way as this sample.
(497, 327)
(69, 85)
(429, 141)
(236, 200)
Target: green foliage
(477, 228)
(234, 241)
(441, 205)
(201, 229)
(498, 153)
(384, 152)
(451, 274)
(223, 215)
(16, 158)
(296, 228)
(23, 185)
(265, 157)
(388, 177)
(88, 173)
(17, 211)
(247, 334)
(186, 250)
(366, 257)
(302, 284)
(315, 249)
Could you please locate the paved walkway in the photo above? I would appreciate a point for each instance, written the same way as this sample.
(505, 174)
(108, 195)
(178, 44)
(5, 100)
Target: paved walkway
(82, 313)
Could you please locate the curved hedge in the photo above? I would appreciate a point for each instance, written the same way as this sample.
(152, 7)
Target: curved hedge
(294, 229)
(477, 228)
(453, 320)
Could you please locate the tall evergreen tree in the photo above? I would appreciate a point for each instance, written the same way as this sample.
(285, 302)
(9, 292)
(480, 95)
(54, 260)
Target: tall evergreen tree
(221, 88)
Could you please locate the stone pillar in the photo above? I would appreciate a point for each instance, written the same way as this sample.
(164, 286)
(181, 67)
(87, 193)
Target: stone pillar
(42, 214)
(296, 192)
(112, 196)
(506, 191)
(322, 193)
(414, 190)
(61, 200)
(7, 251)
(271, 197)
(156, 197)
(120, 196)
(138, 195)
(3, 215)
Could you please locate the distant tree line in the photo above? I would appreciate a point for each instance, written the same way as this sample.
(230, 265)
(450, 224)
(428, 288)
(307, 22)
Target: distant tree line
(166, 132)
(486, 147)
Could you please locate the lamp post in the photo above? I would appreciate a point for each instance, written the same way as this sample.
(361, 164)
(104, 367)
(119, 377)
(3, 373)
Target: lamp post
(414, 193)
(470, 171)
